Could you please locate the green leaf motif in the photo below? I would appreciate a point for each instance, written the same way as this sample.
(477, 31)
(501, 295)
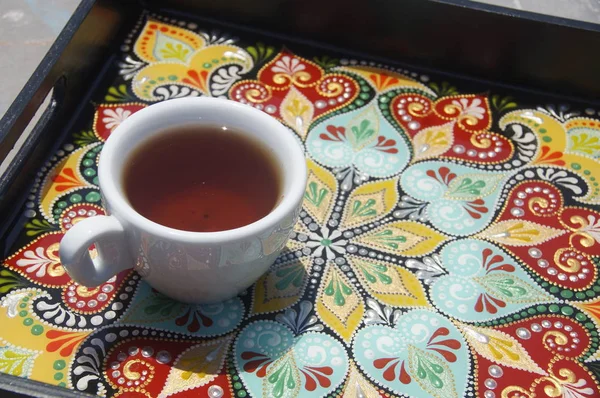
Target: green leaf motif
(363, 128)
(472, 186)
(502, 104)
(10, 280)
(338, 289)
(374, 272)
(326, 62)
(444, 89)
(387, 238)
(118, 94)
(363, 132)
(290, 276)
(16, 361)
(315, 195)
(431, 373)
(469, 186)
(511, 289)
(163, 305)
(37, 227)
(284, 380)
(260, 52)
(364, 210)
(84, 138)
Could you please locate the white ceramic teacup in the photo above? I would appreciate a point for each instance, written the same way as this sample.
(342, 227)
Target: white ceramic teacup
(195, 267)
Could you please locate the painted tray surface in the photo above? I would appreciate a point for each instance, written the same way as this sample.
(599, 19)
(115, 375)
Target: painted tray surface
(448, 245)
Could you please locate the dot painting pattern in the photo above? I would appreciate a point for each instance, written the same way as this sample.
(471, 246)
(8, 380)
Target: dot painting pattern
(448, 245)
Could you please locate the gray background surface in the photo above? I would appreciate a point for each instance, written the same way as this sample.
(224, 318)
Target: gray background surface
(28, 28)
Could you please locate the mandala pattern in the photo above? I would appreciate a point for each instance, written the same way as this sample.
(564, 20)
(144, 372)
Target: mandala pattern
(448, 246)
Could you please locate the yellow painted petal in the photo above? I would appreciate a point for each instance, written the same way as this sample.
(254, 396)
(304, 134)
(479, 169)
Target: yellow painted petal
(407, 238)
(232, 55)
(320, 192)
(383, 79)
(281, 286)
(389, 283)
(520, 233)
(163, 42)
(172, 73)
(433, 141)
(583, 136)
(357, 386)
(195, 74)
(196, 367)
(542, 125)
(338, 303)
(370, 202)
(13, 331)
(62, 179)
(301, 228)
(292, 246)
(499, 347)
(554, 147)
(15, 360)
(297, 111)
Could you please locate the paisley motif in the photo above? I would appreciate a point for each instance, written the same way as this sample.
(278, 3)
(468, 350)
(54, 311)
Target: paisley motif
(176, 56)
(547, 368)
(554, 240)
(39, 261)
(571, 144)
(66, 179)
(297, 91)
(456, 127)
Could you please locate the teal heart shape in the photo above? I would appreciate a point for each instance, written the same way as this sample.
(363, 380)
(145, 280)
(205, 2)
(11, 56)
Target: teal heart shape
(363, 139)
(483, 283)
(461, 199)
(273, 362)
(423, 355)
(151, 308)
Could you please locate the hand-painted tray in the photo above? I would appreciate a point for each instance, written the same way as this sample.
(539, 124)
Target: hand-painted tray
(448, 245)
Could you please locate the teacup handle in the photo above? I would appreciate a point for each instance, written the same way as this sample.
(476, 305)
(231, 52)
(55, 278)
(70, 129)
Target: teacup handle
(108, 236)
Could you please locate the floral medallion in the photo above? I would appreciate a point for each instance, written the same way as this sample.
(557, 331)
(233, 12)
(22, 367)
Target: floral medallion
(448, 244)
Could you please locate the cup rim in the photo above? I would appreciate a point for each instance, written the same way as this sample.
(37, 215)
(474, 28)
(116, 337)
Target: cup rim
(111, 188)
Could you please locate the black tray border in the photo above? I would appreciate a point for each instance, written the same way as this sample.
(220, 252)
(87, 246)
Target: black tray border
(64, 69)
